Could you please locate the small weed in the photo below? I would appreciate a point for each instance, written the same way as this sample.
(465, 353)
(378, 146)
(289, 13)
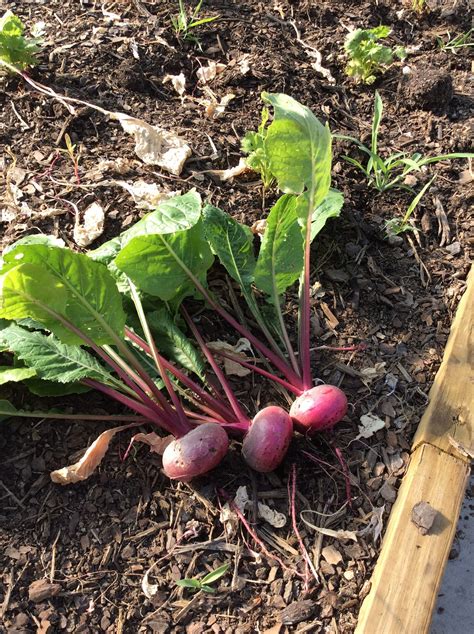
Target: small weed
(184, 23)
(389, 173)
(73, 155)
(453, 44)
(203, 585)
(395, 226)
(418, 5)
(367, 57)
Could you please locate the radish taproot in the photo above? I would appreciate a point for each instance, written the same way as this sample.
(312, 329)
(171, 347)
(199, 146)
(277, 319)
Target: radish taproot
(267, 441)
(319, 408)
(199, 451)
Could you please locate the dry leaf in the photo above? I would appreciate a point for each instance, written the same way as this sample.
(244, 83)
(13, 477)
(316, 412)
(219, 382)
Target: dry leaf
(331, 555)
(259, 226)
(371, 374)
(423, 515)
(375, 526)
(233, 367)
(149, 589)
(89, 462)
(156, 443)
(214, 109)
(146, 195)
(209, 72)
(92, 225)
(274, 518)
(243, 64)
(231, 172)
(154, 145)
(178, 82)
(369, 424)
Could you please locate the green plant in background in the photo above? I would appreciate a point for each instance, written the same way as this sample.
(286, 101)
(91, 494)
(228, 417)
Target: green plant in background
(367, 57)
(395, 226)
(15, 48)
(253, 144)
(418, 5)
(462, 40)
(203, 585)
(183, 23)
(389, 173)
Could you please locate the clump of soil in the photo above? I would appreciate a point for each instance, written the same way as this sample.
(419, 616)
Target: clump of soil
(429, 89)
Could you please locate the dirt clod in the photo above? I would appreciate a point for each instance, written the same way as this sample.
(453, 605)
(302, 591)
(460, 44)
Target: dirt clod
(429, 89)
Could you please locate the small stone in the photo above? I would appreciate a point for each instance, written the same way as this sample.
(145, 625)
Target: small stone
(388, 492)
(331, 555)
(423, 515)
(454, 248)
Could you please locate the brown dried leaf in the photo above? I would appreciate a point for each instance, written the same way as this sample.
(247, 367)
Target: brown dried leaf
(89, 462)
(331, 555)
(231, 172)
(232, 367)
(156, 443)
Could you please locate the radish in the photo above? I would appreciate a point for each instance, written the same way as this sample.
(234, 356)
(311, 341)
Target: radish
(319, 408)
(268, 438)
(199, 451)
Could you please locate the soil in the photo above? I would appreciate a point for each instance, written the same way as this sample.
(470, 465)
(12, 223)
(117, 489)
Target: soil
(73, 558)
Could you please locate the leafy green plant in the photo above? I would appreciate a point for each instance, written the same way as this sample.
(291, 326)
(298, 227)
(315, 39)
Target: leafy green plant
(367, 57)
(253, 144)
(395, 226)
(184, 23)
(453, 44)
(15, 48)
(204, 584)
(390, 172)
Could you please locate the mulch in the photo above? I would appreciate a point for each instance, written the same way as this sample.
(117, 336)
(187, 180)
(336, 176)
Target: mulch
(105, 555)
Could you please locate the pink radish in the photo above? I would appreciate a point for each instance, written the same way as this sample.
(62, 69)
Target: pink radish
(199, 451)
(268, 438)
(319, 408)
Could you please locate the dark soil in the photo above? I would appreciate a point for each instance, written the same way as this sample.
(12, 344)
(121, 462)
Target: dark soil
(87, 547)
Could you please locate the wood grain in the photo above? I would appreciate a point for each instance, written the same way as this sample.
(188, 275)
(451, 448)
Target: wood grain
(410, 567)
(451, 407)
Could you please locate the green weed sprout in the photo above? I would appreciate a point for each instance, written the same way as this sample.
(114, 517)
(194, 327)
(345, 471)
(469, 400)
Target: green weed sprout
(463, 40)
(395, 226)
(253, 144)
(390, 172)
(367, 57)
(203, 585)
(15, 48)
(183, 24)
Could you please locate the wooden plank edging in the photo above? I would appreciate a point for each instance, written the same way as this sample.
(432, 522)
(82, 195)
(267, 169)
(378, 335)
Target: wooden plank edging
(410, 567)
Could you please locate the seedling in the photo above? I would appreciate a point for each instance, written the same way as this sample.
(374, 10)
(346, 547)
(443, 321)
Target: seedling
(184, 24)
(418, 5)
(395, 226)
(253, 144)
(390, 173)
(463, 40)
(204, 584)
(368, 58)
(15, 48)
(73, 155)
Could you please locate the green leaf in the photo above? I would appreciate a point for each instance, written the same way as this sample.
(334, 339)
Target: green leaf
(216, 574)
(298, 147)
(232, 242)
(175, 214)
(15, 49)
(329, 208)
(89, 295)
(9, 374)
(189, 583)
(49, 388)
(160, 264)
(51, 359)
(378, 111)
(173, 344)
(27, 290)
(281, 257)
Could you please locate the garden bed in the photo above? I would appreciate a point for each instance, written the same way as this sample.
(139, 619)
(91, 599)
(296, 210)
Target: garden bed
(93, 542)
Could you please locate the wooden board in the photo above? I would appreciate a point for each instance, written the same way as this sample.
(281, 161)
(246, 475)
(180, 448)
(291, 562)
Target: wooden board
(451, 408)
(409, 570)
(410, 567)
